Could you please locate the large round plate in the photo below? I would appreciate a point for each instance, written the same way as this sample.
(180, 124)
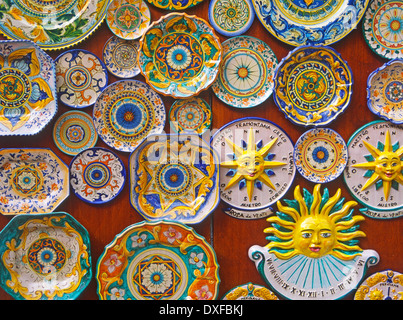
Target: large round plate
(246, 72)
(384, 285)
(158, 261)
(312, 85)
(174, 4)
(51, 24)
(310, 22)
(179, 55)
(126, 113)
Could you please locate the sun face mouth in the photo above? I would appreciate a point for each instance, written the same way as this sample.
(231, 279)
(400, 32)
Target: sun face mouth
(315, 249)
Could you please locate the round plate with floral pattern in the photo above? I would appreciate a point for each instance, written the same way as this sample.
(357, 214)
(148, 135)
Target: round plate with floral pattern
(312, 85)
(97, 175)
(179, 55)
(250, 291)
(383, 28)
(246, 72)
(126, 113)
(174, 4)
(320, 155)
(80, 78)
(158, 261)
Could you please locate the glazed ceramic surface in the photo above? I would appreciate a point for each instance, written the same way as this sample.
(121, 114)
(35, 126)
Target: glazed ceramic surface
(80, 77)
(51, 24)
(383, 28)
(158, 261)
(179, 55)
(126, 113)
(385, 91)
(174, 177)
(27, 88)
(45, 257)
(313, 85)
(97, 175)
(307, 22)
(246, 72)
(250, 291)
(174, 4)
(31, 181)
(385, 285)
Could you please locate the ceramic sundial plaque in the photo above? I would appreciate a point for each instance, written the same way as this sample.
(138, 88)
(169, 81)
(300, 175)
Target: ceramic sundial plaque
(313, 251)
(385, 285)
(374, 171)
(256, 166)
(250, 291)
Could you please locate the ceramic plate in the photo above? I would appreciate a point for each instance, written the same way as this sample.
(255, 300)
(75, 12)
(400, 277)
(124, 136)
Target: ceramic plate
(385, 91)
(231, 18)
(174, 177)
(174, 4)
(250, 291)
(128, 19)
(31, 181)
(246, 72)
(120, 57)
(45, 257)
(158, 261)
(126, 113)
(192, 115)
(385, 285)
(51, 24)
(308, 22)
(320, 155)
(383, 28)
(27, 88)
(74, 132)
(97, 175)
(179, 55)
(312, 85)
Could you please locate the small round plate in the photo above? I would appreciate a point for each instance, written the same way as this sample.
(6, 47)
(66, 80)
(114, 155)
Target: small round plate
(128, 19)
(80, 78)
(320, 155)
(246, 72)
(250, 291)
(74, 132)
(385, 285)
(97, 175)
(174, 5)
(231, 18)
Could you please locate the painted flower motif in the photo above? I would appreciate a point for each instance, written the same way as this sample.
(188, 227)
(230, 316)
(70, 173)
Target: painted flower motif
(179, 57)
(197, 259)
(203, 293)
(112, 263)
(139, 241)
(157, 278)
(172, 235)
(311, 86)
(117, 294)
(75, 133)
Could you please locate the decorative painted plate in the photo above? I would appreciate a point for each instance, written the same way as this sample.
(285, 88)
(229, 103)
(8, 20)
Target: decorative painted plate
(51, 24)
(74, 132)
(312, 85)
(385, 91)
(32, 181)
(27, 88)
(174, 4)
(80, 77)
(320, 155)
(385, 285)
(128, 19)
(97, 175)
(120, 57)
(250, 291)
(126, 113)
(231, 18)
(158, 261)
(374, 171)
(45, 257)
(191, 115)
(179, 55)
(256, 166)
(174, 177)
(308, 22)
(246, 72)
(383, 28)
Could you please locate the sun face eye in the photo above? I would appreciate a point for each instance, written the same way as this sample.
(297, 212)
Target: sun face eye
(306, 235)
(326, 234)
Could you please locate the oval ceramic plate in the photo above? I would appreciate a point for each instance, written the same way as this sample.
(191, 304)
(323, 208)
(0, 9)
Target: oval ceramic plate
(320, 155)
(80, 77)
(246, 72)
(179, 55)
(97, 175)
(28, 96)
(158, 261)
(383, 28)
(31, 181)
(385, 285)
(174, 177)
(312, 85)
(385, 91)
(45, 257)
(74, 132)
(308, 22)
(126, 113)
(250, 291)
(174, 4)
